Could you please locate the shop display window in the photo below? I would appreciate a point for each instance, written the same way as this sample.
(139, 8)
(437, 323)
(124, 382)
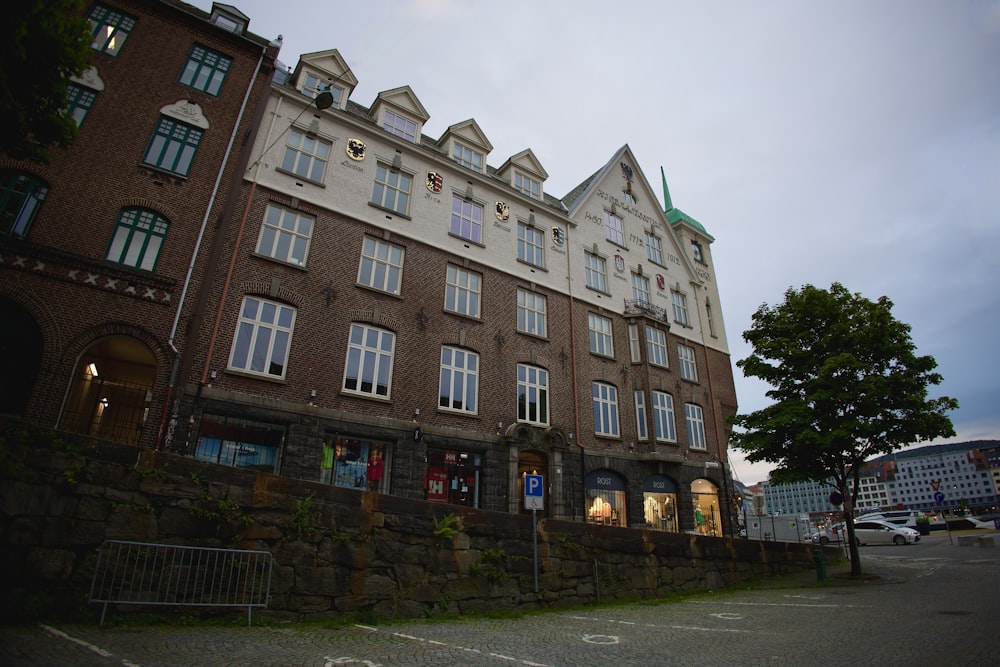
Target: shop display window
(354, 463)
(453, 477)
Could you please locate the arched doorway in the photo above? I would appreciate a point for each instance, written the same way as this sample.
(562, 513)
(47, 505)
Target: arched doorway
(21, 351)
(111, 389)
(605, 492)
(705, 501)
(533, 463)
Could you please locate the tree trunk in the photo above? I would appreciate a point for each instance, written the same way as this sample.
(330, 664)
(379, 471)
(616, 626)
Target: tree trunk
(849, 525)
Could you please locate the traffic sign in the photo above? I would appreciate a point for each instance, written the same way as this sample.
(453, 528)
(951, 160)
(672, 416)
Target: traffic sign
(938, 497)
(533, 492)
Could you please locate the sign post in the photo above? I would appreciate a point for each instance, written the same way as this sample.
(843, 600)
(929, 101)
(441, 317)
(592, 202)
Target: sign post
(534, 500)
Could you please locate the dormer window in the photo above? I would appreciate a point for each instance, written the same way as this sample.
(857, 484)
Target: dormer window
(313, 85)
(527, 185)
(235, 23)
(399, 125)
(467, 157)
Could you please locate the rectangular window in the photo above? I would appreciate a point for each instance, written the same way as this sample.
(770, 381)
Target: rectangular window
(137, 239)
(313, 85)
(79, 101)
(466, 219)
(634, 344)
(709, 318)
(263, 336)
(689, 371)
(656, 347)
(370, 354)
(663, 416)
(640, 288)
(527, 185)
(596, 271)
(109, 29)
(240, 443)
(654, 249)
(640, 415)
(467, 157)
(614, 229)
(392, 189)
(600, 335)
(305, 156)
(21, 195)
(463, 291)
(381, 265)
(680, 306)
(531, 317)
(530, 245)
(459, 386)
(695, 426)
(532, 395)
(285, 235)
(206, 70)
(400, 126)
(173, 147)
(605, 409)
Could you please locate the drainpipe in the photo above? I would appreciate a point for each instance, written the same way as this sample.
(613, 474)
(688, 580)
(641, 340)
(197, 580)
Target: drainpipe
(197, 247)
(573, 381)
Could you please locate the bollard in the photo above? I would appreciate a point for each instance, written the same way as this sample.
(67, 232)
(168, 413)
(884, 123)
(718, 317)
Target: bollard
(820, 557)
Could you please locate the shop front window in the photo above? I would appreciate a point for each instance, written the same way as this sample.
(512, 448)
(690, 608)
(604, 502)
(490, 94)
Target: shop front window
(453, 477)
(605, 498)
(705, 500)
(240, 443)
(354, 463)
(659, 504)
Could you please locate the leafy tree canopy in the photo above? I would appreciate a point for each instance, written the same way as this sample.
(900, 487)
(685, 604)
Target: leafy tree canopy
(45, 42)
(847, 386)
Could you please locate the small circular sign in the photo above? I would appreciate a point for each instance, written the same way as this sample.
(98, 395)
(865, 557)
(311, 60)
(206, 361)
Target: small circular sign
(938, 497)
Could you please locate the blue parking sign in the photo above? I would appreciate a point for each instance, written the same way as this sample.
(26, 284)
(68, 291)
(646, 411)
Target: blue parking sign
(534, 492)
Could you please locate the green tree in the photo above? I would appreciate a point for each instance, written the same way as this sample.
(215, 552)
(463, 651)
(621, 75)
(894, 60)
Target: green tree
(847, 386)
(46, 42)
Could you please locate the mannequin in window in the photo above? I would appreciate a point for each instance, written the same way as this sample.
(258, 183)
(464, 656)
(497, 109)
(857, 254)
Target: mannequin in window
(374, 471)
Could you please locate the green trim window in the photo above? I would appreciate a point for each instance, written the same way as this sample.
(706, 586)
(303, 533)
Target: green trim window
(206, 70)
(137, 239)
(109, 29)
(21, 195)
(79, 101)
(173, 147)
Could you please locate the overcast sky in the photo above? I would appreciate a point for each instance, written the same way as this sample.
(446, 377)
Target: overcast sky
(850, 141)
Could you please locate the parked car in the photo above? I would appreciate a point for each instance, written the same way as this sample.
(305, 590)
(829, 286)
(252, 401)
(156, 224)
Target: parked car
(831, 534)
(880, 531)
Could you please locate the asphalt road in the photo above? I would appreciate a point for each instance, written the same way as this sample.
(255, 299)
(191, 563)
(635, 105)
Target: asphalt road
(934, 603)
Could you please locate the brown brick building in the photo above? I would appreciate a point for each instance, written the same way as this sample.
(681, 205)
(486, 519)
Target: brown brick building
(103, 250)
(387, 311)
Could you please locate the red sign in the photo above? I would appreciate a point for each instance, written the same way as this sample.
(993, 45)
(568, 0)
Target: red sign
(437, 485)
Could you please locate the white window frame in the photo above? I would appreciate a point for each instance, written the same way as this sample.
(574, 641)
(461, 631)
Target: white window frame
(458, 389)
(285, 235)
(687, 362)
(640, 288)
(466, 219)
(468, 157)
(614, 228)
(595, 271)
(654, 248)
(306, 157)
(313, 84)
(532, 315)
(656, 347)
(399, 125)
(263, 338)
(527, 185)
(600, 336)
(530, 245)
(695, 418)
(370, 357)
(533, 386)
(463, 291)
(381, 265)
(392, 189)
(605, 398)
(640, 415)
(664, 427)
(678, 301)
(634, 344)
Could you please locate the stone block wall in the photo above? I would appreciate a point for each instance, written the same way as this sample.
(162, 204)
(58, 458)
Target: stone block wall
(335, 550)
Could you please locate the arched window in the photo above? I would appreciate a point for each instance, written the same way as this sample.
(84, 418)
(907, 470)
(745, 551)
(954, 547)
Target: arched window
(705, 501)
(605, 498)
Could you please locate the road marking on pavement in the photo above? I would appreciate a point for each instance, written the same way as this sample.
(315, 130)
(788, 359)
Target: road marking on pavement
(654, 625)
(785, 604)
(434, 642)
(728, 617)
(330, 662)
(79, 642)
(601, 639)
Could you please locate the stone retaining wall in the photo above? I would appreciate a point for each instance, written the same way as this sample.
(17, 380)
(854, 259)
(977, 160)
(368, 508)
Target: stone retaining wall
(336, 550)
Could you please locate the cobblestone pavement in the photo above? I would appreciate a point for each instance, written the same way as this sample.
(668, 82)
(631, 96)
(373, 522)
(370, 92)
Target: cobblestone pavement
(934, 603)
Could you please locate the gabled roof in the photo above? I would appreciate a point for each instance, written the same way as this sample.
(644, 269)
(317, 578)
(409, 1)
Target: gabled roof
(404, 99)
(329, 61)
(468, 131)
(527, 161)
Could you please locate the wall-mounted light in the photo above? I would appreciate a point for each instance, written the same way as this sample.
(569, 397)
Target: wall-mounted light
(416, 411)
(92, 369)
(313, 393)
(214, 374)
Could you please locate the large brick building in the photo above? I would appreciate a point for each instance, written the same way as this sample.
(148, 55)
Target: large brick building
(391, 312)
(103, 249)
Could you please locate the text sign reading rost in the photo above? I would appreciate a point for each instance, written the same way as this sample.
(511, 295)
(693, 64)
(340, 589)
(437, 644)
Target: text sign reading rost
(533, 492)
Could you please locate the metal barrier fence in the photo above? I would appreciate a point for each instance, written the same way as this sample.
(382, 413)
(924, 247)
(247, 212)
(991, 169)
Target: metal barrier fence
(140, 573)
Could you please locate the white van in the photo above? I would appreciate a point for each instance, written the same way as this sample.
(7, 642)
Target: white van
(906, 518)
